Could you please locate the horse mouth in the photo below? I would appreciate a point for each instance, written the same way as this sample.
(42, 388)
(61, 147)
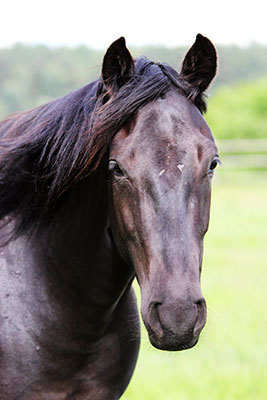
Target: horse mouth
(173, 327)
(171, 341)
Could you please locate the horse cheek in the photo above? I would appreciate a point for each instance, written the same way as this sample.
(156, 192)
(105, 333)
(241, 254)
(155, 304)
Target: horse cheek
(122, 221)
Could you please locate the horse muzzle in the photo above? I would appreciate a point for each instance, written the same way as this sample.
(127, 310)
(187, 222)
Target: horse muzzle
(175, 325)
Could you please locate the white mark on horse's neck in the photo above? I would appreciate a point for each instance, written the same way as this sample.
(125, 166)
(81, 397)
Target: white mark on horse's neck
(161, 172)
(180, 167)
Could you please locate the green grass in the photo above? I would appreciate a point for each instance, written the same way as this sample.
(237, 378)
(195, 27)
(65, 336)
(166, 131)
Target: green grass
(230, 360)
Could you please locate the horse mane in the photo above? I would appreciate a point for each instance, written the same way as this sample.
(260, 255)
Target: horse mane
(45, 151)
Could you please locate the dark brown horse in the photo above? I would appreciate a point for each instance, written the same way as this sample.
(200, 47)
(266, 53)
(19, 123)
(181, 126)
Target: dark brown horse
(108, 183)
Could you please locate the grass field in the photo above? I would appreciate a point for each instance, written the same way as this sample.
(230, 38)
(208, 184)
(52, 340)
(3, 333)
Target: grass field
(230, 361)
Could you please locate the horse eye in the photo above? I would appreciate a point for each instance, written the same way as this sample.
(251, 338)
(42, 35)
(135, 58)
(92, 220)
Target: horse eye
(113, 166)
(214, 164)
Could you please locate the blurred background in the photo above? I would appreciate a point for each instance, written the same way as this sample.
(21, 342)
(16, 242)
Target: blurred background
(48, 49)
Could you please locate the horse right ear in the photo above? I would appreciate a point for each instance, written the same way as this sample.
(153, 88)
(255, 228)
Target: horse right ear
(118, 66)
(200, 64)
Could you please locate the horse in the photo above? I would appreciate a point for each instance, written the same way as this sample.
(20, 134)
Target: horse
(108, 183)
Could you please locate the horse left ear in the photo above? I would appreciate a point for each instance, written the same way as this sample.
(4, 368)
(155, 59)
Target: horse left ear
(200, 64)
(118, 66)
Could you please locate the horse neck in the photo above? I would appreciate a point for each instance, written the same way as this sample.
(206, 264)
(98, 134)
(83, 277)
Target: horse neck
(76, 250)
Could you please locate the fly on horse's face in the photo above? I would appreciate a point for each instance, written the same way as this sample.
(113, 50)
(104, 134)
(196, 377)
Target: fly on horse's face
(161, 169)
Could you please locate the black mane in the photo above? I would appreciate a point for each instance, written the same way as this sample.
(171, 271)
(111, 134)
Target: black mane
(45, 151)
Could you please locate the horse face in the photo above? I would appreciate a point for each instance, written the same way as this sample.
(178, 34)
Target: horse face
(161, 167)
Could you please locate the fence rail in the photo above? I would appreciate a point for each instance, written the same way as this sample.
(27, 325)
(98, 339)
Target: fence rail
(243, 153)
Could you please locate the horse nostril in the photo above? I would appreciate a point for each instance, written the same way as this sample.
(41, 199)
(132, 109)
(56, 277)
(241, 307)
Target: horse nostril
(154, 310)
(201, 316)
(155, 317)
(200, 303)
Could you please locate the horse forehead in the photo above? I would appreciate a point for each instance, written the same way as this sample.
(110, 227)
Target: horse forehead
(170, 121)
(167, 125)
(164, 115)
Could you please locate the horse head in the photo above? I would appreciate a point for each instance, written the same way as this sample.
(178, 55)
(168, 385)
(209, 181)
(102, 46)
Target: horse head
(161, 165)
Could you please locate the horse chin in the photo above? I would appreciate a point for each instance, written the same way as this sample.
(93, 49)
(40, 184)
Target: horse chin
(170, 341)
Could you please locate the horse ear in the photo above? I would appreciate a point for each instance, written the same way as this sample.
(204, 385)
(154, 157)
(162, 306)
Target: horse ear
(200, 64)
(118, 66)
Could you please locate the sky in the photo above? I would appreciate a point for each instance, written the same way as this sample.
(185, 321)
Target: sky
(142, 22)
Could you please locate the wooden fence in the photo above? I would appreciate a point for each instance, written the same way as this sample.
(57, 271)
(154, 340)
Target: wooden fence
(243, 153)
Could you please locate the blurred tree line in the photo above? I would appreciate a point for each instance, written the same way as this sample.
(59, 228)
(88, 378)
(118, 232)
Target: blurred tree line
(32, 75)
